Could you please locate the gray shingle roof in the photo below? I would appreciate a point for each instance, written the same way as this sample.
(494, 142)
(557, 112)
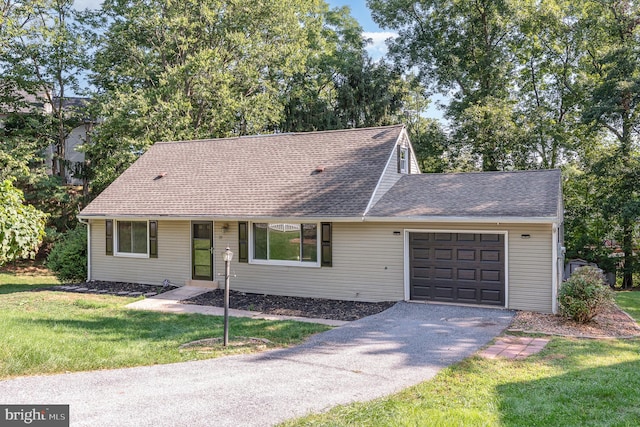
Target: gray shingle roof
(521, 194)
(260, 176)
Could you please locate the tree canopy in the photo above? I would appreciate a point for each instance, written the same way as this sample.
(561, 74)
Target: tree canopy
(526, 84)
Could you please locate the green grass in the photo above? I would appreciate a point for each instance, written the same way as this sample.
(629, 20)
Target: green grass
(10, 283)
(51, 332)
(629, 301)
(570, 383)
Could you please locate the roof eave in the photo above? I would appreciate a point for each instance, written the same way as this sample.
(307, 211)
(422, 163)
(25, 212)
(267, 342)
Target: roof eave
(225, 218)
(471, 219)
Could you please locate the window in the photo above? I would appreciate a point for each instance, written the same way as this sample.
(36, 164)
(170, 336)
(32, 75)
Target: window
(404, 160)
(132, 238)
(285, 244)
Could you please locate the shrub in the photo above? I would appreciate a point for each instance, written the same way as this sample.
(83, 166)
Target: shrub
(68, 257)
(584, 295)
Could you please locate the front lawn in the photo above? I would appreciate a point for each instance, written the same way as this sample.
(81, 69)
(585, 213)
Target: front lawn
(570, 383)
(51, 332)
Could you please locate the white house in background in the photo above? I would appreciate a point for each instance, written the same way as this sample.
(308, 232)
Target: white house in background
(339, 214)
(76, 137)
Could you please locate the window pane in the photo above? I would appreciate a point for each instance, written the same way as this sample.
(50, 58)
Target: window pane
(284, 242)
(139, 239)
(309, 242)
(260, 241)
(124, 236)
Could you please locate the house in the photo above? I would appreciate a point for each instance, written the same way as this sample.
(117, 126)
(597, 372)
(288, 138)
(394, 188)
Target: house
(338, 214)
(22, 102)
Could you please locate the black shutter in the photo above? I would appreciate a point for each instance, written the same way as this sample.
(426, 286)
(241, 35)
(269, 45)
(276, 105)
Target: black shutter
(108, 226)
(408, 161)
(398, 150)
(153, 239)
(243, 242)
(325, 245)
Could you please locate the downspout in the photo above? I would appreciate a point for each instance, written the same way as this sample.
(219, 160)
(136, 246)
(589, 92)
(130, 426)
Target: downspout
(88, 247)
(554, 270)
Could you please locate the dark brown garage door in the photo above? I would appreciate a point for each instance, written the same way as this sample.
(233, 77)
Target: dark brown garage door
(457, 267)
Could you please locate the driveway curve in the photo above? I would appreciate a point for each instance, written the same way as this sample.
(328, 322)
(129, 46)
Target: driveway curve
(369, 358)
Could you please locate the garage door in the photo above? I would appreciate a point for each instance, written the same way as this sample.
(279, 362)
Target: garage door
(457, 267)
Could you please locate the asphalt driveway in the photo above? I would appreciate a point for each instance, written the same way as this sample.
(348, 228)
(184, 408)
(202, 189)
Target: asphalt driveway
(366, 359)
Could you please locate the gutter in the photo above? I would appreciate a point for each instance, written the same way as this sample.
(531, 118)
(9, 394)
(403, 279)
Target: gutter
(473, 219)
(81, 221)
(359, 218)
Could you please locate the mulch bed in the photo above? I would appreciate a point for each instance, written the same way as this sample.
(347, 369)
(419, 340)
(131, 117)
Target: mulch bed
(110, 288)
(292, 306)
(611, 323)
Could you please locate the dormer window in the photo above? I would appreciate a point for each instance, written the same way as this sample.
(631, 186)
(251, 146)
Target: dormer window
(403, 160)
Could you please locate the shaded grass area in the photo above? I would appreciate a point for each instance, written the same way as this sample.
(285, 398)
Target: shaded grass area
(570, 383)
(11, 282)
(50, 332)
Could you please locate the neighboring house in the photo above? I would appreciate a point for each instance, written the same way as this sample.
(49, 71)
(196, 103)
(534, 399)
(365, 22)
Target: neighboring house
(339, 214)
(76, 137)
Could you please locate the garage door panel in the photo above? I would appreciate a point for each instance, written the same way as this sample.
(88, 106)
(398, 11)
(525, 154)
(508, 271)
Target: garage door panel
(442, 237)
(492, 296)
(490, 276)
(419, 253)
(466, 255)
(421, 292)
(489, 255)
(457, 267)
(420, 273)
(467, 294)
(443, 254)
(466, 237)
(466, 274)
(443, 293)
(444, 273)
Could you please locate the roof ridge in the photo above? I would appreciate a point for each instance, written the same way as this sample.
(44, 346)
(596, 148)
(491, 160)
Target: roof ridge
(315, 132)
(488, 172)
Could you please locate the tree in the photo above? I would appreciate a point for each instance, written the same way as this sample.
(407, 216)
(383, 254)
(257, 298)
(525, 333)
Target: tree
(170, 70)
(548, 46)
(461, 49)
(342, 87)
(612, 64)
(21, 226)
(44, 52)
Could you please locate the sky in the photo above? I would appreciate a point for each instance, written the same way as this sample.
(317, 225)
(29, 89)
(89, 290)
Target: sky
(361, 12)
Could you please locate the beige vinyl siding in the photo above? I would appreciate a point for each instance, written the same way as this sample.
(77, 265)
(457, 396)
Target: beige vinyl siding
(391, 175)
(389, 178)
(414, 167)
(173, 262)
(357, 273)
(368, 264)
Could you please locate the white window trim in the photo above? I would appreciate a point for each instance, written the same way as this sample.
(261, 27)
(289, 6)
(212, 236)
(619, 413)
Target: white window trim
(116, 239)
(404, 163)
(306, 264)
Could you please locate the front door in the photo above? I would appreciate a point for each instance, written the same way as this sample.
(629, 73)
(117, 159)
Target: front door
(202, 250)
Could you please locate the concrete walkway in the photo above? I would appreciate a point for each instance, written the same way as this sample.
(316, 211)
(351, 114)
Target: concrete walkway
(360, 361)
(170, 302)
